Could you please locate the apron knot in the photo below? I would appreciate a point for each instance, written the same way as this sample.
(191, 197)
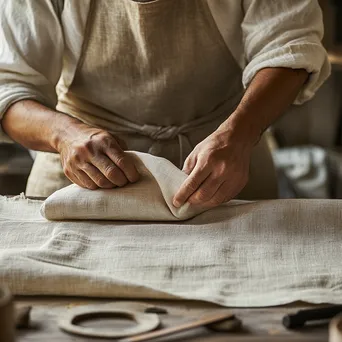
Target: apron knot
(168, 133)
(161, 132)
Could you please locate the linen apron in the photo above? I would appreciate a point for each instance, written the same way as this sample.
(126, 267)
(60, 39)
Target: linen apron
(159, 75)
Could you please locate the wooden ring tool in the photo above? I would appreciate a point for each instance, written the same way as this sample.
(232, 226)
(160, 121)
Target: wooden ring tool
(144, 321)
(217, 320)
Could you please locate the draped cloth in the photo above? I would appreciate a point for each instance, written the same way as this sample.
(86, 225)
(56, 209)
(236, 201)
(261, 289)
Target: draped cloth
(149, 199)
(240, 254)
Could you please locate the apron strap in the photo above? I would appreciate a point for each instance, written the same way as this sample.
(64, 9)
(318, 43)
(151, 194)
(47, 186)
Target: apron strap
(58, 6)
(158, 133)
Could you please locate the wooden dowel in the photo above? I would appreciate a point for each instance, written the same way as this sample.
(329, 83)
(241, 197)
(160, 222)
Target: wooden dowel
(202, 321)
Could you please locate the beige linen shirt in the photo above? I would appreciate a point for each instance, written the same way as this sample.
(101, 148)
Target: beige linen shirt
(37, 44)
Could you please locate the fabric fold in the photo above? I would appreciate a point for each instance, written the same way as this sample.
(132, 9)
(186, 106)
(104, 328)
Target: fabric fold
(150, 199)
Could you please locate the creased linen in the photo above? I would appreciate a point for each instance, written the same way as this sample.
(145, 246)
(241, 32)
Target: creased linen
(149, 199)
(240, 254)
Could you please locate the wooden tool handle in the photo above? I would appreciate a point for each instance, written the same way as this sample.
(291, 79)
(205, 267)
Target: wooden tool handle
(297, 320)
(204, 320)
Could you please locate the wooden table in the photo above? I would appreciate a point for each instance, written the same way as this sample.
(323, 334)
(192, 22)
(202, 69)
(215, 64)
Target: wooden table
(259, 324)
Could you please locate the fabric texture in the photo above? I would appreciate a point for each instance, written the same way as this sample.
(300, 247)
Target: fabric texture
(258, 33)
(150, 199)
(240, 254)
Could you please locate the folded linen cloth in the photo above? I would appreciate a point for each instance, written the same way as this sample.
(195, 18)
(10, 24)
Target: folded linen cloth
(150, 199)
(251, 254)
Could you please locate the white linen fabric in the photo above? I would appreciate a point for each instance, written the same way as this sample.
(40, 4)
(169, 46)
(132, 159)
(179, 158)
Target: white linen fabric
(250, 254)
(38, 45)
(148, 199)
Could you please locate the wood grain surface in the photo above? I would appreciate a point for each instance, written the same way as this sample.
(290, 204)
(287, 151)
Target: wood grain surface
(262, 324)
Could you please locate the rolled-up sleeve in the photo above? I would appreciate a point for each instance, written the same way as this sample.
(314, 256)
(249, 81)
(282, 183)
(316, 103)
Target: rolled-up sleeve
(285, 33)
(31, 53)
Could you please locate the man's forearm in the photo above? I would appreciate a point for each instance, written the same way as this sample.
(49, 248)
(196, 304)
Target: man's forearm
(35, 126)
(270, 93)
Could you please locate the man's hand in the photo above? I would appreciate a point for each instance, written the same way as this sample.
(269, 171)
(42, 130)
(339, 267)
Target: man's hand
(219, 165)
(93, 158)
(218, 170)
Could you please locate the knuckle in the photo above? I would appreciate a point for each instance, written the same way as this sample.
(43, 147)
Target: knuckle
(221, 167)
(192, 186)
(83, 147)
(121, 162)
(106, 135)
(204, 161)
(202, 195)
(218, 199)
(212, 155)
(87, 146)
(104, 138)
(91, 186)
(102, 182)
(100, 135)
(115, 176)
(84, 167)
(66, 171)
(187, 167)
(75, 156)
(111, 172)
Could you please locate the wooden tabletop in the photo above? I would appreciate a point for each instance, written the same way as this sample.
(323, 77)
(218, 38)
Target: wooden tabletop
(258, 324)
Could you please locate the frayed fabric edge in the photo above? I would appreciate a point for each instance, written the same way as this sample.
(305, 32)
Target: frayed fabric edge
(20, 197)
